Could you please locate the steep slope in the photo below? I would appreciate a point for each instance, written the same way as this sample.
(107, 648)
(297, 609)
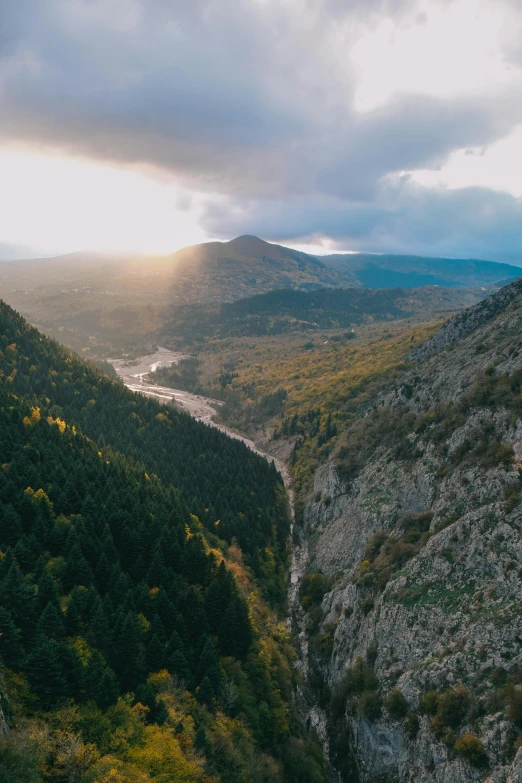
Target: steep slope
(413, 590)
(171, 444)
(390, 271)
(137, 644)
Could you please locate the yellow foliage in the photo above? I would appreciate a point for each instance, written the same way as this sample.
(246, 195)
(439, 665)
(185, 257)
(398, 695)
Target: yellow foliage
(58, 422)
(128, 730)
(160, 681)
(39, 496)
(140, 712)
(82, 649)
(64, 754)
(34, 419)
(142, 620)
(162, 758)
(110, 769)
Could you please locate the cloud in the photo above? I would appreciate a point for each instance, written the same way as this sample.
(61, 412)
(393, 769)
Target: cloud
(404, 218)
(254, 102)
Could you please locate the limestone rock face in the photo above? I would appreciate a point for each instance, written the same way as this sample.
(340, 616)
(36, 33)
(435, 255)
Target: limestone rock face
(424, 555)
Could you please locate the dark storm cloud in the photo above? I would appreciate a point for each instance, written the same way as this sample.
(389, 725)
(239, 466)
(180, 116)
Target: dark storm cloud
(251, 99)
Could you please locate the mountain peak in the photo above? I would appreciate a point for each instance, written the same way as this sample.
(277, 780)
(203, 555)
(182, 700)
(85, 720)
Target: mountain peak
(250, 239)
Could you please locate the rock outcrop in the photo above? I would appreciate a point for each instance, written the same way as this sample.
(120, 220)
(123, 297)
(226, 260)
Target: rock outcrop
(415, 651)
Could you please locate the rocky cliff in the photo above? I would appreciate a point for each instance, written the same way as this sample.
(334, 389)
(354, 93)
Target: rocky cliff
(413, 591)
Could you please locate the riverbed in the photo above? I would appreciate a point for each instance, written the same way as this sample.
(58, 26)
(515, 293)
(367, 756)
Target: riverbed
(136, 377)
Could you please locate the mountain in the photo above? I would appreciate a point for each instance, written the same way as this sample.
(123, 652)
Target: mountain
(225, 271)
(284, 311)
(392, 271)
(136, 637)
(410, 603)
(106, 304)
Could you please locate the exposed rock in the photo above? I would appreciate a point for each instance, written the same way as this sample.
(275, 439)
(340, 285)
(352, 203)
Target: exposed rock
(443, 609)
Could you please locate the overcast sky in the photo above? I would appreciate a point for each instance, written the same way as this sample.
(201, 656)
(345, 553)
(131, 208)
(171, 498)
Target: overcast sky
(376, 125)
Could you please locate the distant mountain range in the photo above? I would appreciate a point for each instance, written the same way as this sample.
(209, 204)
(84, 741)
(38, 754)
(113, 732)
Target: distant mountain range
(85, 299)
(390, 271)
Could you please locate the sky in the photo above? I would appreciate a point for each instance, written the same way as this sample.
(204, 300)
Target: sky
(328, 125)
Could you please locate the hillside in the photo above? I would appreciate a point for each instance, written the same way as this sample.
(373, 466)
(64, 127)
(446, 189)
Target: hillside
(225, 271)
(104, 304)
(282, 312)
(108, 305)
(392, 271)
(136, 642)
(411, 600)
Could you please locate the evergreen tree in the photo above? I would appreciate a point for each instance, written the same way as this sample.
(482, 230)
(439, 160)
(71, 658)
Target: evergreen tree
(10, 525)
(215, 603)
(205, 693)
(128, 657)
(209, 664)
(99, 633)
(77, 570)
(51, 624)
(108, 689)
(103, 574)
(11, 651)
(47, 590)
(46, 674)
(155, 654)
(177, 664)
(235, 633)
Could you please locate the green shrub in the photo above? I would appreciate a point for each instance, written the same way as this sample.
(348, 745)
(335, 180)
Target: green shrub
(313, 588)
(396, 704)
(428, 703)
(471, 748)
(513, 701)
(356, 680)
(412, 724)
(366, 604)
(453, 705)
(370, 706)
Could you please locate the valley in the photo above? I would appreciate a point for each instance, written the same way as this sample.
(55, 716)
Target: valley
(203, 409)
(260, 391)
(350, 458)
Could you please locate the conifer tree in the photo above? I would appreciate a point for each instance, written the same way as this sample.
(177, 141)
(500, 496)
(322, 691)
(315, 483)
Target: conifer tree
(205, 692)
(77, 570)
(47, 590)
(103, 574)
(51, 624)
(10, 526)
(155, 654)
(108, 689)
(11, 651)
(46, 674)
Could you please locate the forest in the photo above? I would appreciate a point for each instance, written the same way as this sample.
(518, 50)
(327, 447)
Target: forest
(283, 311)
(142, 561)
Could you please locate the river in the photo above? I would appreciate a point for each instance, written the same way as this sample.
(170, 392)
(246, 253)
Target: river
(136, 377)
